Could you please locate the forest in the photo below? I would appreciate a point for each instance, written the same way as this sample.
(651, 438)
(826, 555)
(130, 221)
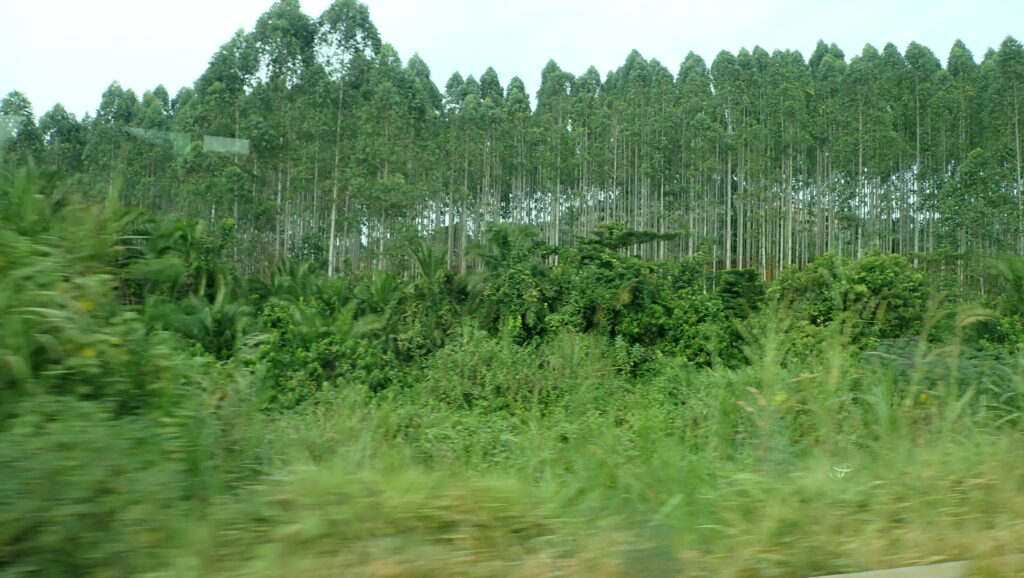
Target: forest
(315, 316)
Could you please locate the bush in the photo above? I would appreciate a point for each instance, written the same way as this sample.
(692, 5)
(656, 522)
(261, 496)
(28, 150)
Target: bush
(882, 295)
(65, 331)
(84, 493)
(482, 373)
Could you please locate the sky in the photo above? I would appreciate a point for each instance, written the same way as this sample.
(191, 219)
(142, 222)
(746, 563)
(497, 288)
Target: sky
(69, 51)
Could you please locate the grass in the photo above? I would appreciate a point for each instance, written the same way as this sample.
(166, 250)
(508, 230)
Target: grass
(683, 473)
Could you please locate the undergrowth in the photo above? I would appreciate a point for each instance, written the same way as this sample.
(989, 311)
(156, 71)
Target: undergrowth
(160, 419)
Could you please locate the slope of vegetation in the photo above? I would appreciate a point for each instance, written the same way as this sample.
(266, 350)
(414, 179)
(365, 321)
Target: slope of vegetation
(763, 318)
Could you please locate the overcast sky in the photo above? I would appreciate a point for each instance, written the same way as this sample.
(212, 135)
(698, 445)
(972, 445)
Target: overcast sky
(69, 51)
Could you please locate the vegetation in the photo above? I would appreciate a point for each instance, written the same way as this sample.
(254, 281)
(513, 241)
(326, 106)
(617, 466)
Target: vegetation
(762, 319)
(323, 145)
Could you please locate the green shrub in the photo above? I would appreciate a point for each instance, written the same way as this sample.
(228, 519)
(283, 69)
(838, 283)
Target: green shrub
(84, 493)
(65, 331)
(881, 295)
(478, 372)
(308, 348)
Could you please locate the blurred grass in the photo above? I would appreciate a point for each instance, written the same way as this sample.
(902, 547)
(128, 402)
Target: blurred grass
(686, 473)
(693, 473)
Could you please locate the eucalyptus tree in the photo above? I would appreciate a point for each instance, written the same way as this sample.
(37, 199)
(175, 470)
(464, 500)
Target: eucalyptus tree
(517, 116)
(105, 152)
(64, 139)
(873, 143)
(466, 135)
(757, 194)
(148, 166)
(657, 179)
(492, 179)
(699, 134)
(629, 94)
(794, 76)
(283, 39)
(428, 103)
(963, 71)
(25, 142)
(924, 78)
(425, 174)
(978, 211)
(894, 170)
(634, 125)
(588, 127)
(388, 156)
(556, 155)
(428, 94)
(223, 106)
(789, 82)
(224, 86)
(728, 98)
(181, 99)
(828, 68)
(987, 114)
(345, 34)
(455, 160)
(1009, 104)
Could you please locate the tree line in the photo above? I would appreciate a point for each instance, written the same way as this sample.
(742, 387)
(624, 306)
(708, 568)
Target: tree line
(756, 160)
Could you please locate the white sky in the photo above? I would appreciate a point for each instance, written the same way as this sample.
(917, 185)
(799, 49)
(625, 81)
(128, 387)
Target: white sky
(69, 51)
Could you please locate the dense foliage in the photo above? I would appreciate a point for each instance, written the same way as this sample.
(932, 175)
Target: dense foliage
(161, 412)
(322, 144)
(731, 323)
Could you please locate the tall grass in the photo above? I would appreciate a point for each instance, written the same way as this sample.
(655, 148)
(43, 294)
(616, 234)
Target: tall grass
(557, 467)
(541, 461)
